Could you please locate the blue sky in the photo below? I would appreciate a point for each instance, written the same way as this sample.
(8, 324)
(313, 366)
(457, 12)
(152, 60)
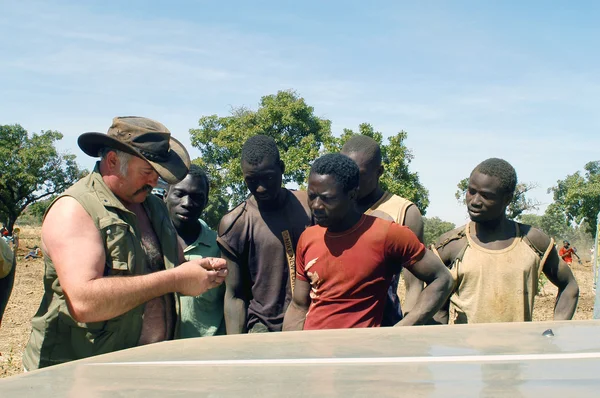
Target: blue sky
(467, 80)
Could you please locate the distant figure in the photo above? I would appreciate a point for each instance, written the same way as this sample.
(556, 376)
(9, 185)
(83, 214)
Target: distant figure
(3, 231)
(201, 315)
(345, 263)
(566, 252)
(496, 262)
(35, 252)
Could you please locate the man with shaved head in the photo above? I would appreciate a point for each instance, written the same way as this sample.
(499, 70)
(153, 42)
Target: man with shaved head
(258, 240)
(373, 200)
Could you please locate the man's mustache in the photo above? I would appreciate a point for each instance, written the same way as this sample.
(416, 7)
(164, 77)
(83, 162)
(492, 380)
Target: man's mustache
(145, 188)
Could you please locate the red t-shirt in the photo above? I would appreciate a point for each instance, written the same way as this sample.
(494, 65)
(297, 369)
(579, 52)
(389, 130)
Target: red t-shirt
(568, 258)
(350, 272)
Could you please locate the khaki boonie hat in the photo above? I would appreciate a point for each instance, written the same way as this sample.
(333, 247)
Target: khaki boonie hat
(144, 138)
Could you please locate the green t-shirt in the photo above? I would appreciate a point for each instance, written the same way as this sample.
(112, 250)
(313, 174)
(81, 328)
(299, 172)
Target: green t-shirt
(203, 315)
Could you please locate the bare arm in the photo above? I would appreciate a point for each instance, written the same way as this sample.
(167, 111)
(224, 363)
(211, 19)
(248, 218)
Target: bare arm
(296, 312)
(414, 286)
(560, 275)
(439, 286)
(236, 302)
(68, 231)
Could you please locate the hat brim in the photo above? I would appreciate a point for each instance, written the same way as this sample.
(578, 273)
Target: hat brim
(173, 170)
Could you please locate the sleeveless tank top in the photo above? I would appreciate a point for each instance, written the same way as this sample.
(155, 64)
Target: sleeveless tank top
(496, 285)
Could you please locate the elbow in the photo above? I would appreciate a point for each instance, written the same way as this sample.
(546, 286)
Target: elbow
(447, 283)
(569, 292)
(81, 313)
(79, 310)
(572, 290)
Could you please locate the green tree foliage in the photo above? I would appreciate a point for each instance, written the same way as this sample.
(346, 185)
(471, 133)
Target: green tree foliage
(435, 227)
(299, 133)
(556, 225)
(38, 209)
(396, 158)
(578, 196)
(519, 205)
(553, 222)
(31, 169)
(301, 137)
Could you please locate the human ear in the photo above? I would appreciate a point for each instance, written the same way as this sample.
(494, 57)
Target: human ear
(282, 166)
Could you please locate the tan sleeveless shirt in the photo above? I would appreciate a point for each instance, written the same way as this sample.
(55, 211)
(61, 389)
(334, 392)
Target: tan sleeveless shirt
(496, 285)
(392, 205)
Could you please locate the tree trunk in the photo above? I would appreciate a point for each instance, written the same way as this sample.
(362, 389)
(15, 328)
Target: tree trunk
(10, 224)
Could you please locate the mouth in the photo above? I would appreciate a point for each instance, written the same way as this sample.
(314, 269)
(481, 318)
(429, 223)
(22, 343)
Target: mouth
(184, 215)
(475, 214)
(145, 189)
(263, 198)
(320, 219)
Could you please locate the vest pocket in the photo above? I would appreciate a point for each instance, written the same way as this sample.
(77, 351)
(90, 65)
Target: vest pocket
(120, 250)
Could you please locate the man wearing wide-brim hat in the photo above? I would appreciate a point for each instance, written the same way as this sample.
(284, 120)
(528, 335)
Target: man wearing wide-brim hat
(112, 274)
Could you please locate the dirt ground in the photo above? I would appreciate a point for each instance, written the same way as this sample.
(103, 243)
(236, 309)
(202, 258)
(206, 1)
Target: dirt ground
(28, 290)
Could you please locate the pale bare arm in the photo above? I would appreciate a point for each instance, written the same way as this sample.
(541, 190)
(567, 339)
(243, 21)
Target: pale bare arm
(414, 286)
(68, 232)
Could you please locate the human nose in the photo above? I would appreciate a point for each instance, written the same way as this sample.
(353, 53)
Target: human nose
(475, 200)
(185, 201)
(316, 204)
(260, 188)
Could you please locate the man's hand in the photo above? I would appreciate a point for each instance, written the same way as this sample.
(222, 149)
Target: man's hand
(432, 271)
(198, 276)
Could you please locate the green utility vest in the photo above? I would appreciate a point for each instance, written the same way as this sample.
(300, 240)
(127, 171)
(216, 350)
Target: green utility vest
(56, 337)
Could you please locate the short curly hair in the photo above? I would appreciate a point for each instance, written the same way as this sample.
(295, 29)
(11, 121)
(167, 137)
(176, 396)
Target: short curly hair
(341, 167)
(501, 169)
(198, 172)
(258, 148)
(365, 145)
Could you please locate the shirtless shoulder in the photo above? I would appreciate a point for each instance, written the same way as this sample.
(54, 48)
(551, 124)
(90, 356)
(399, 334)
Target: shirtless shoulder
(229, 220)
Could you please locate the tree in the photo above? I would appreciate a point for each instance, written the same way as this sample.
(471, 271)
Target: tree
(299, 134)
(301, 137)
(519, 205)
(553, 222)
(396, 157)
(39, 208)
(31, 169)
(435, 227)
(578, 196)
